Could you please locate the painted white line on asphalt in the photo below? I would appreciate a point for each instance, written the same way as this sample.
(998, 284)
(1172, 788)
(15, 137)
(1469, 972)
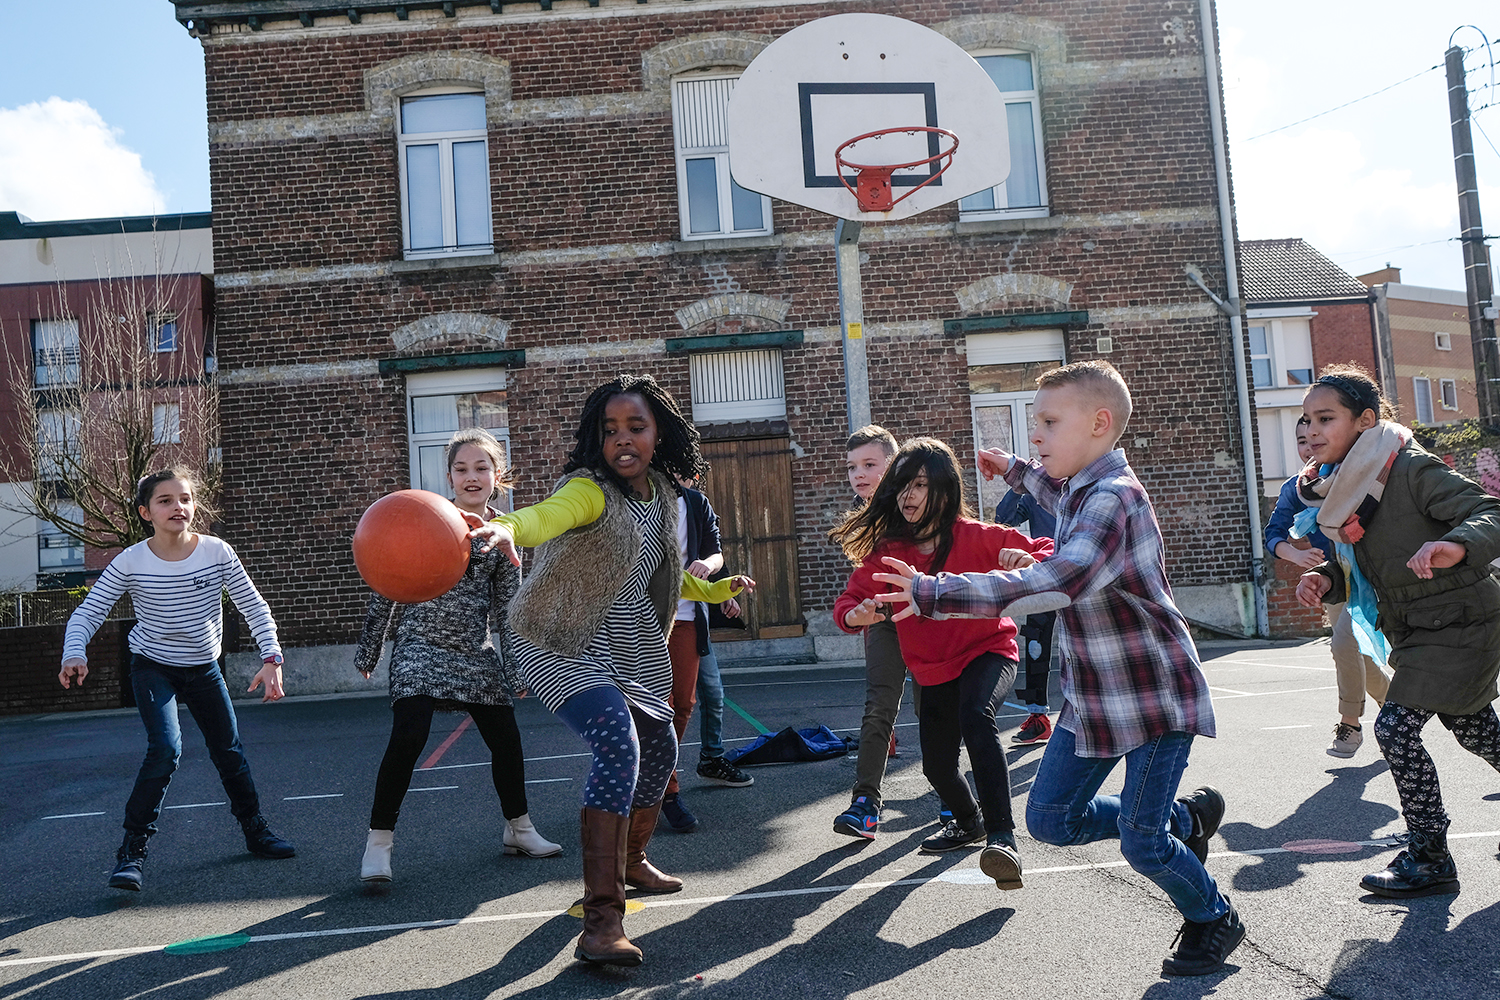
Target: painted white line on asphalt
(546, 781)
(300, 798)
(72, 815)
(1268, 694)
(1263, 663)
(1267, 729)
(772, 684)
(198, 805)
(953, 877)
(434, 788)
(1215, 688)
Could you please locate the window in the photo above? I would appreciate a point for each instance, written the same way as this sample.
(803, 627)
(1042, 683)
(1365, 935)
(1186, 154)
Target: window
(55, 551)
(163, 334)
(1422, 399)
(737, 385)
(1260, 356)
(1002, 370)
(445, 175)
(57, 443)
(1442, 341)
(1448, 390)
(54, 346)
(1024, 192)
(439, 403)
(709, 202)
(166, 423)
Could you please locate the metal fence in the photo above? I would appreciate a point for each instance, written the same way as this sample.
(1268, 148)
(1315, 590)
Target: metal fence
(50, 607)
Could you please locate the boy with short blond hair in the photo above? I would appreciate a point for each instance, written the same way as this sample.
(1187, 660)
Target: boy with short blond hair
(1133, 689)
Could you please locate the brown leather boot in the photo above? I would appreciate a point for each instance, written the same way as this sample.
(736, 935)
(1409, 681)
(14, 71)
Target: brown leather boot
(639, 872)
(603, 940)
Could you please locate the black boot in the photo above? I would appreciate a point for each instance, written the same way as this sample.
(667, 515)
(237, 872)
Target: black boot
(129, 860)
(1425, 868)
(259, 840)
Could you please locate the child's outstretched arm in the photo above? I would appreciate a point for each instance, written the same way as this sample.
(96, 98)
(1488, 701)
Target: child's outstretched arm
(1093, 558)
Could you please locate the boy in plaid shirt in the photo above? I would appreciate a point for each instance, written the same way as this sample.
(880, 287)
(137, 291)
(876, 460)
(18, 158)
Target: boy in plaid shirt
(1132, 685)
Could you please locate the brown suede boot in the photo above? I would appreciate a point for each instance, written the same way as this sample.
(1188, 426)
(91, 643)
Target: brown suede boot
(603, 940)
(639, 872)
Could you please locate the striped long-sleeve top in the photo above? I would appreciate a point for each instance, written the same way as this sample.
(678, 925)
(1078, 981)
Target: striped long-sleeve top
(178, 605)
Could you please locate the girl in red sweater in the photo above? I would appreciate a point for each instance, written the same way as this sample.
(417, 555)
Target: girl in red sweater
(963, 666)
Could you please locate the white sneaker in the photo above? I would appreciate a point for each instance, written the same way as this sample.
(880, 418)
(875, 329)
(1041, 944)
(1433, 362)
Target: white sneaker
(376, 866)
(1346, 740)
(521, 838)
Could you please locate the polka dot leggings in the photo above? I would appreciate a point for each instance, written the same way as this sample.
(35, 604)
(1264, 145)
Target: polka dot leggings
(634, 754)
(1398, 730)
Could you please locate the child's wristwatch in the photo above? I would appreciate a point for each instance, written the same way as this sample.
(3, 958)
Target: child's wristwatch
(274, 660)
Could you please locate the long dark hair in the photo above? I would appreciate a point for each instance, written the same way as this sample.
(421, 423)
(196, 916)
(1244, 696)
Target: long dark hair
(1356, 389)
(145, 489)
(881, 518)
(676, 453)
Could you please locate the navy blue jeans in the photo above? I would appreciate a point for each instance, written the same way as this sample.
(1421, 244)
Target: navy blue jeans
(157, 687)
(1065, 807)
(710, 705)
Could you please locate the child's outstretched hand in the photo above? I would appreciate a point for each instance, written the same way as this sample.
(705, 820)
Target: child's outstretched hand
(73, 668)
(866, 612)
(270, 678)
(1311, 588)
(901, 580)
(1436, 555)
(742, 584)
(1305, 558)
(994, 462)
(1015, 559)
(493, 535)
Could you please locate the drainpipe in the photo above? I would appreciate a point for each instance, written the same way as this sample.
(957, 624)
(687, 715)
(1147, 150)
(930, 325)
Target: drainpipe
(1233, 308)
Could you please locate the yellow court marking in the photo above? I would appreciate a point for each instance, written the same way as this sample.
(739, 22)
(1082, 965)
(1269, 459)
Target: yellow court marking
(631, 906)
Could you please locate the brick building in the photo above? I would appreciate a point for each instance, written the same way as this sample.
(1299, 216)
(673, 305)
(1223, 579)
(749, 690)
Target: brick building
(433, 214)
(73, 295)
(1426, 348)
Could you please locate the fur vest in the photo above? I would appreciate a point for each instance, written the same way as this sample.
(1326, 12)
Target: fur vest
(576, 576)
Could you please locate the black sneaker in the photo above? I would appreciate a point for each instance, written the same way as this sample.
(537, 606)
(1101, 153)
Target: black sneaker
(721, 772)
(861, 819)
(1001, 861)
(260, 841)
(955, 835)
(677, 815)
(1201, 949)
(1206, 806)
(129, 860)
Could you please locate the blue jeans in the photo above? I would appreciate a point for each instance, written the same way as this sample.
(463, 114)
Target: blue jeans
(1065, 808)
(710, 705)
(157, 687)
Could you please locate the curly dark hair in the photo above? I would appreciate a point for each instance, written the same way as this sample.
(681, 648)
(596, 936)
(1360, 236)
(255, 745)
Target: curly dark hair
(881, 518)
(676, 453)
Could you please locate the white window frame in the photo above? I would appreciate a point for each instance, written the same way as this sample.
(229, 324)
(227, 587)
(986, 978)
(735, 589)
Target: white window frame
(445, 142)
(1442, 341)
(1033, 96)
(452, 384)
(63, 352)
(1448, 393)
(714, 375)
(1278, 351)
(154, 330)
(1421, 392)
(1268, 356)
(166, 423)
(719, 153)
(59, 434)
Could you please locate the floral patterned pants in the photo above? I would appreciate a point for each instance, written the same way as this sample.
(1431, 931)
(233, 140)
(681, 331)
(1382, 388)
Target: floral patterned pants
(1398, 730)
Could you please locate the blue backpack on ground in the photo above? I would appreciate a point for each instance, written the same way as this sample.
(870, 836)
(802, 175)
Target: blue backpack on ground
(789, 746)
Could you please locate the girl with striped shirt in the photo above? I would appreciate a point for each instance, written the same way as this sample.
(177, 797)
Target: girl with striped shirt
(176, 579)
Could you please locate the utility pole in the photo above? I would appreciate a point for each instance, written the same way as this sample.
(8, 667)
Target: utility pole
(1477, 276)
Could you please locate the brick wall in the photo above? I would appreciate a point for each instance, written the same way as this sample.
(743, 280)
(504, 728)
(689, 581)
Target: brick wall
(29, 662)
(589, 279)
(1341, 334)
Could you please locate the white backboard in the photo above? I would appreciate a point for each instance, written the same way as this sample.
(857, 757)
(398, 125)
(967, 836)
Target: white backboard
(829, 80)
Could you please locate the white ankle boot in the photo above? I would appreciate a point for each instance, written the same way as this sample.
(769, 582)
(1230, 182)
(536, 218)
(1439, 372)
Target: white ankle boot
(376, 867)
(521, 838)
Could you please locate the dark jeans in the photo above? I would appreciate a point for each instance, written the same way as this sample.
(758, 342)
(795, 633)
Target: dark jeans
(964, 709)
(1037, 629)
(157, 687)
(710, 705)
(411, 723)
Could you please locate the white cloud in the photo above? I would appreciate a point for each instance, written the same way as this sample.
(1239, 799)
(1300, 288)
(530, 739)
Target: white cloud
(60, 160)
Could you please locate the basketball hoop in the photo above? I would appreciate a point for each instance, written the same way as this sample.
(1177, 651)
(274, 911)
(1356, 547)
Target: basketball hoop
(873, 190)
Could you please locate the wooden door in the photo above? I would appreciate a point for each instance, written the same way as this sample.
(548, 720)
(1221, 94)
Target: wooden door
(750, 486)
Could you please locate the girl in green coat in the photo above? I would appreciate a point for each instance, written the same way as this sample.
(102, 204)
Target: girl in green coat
(1414, 543)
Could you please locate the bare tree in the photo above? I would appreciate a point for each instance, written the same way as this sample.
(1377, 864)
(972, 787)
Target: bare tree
(112, 388)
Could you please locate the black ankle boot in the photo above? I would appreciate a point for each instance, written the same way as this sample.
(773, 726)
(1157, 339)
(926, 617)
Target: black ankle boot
(260, 841)
(129, 860)
(1425, 868)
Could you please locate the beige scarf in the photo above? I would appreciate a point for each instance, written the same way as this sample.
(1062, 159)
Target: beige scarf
(1348, 495)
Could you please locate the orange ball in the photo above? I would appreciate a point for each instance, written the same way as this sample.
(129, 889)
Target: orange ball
(411, 546)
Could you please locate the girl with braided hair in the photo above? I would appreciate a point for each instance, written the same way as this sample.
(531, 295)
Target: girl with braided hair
(1414, 541)
(590, 628)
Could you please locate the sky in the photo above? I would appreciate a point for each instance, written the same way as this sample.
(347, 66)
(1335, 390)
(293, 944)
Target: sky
(103, 114)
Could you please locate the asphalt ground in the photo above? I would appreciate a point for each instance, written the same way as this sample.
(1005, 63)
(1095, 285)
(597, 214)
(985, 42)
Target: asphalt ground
(776, 904)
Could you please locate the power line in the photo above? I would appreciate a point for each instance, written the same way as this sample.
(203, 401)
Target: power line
(1346, 104)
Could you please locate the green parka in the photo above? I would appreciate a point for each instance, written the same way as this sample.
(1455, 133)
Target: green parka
(1444, 632)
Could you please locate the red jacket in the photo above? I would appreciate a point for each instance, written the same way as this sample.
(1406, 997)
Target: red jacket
(937, 651)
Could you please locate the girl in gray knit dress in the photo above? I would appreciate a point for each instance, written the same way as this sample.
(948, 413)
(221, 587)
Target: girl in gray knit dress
(443, 659)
